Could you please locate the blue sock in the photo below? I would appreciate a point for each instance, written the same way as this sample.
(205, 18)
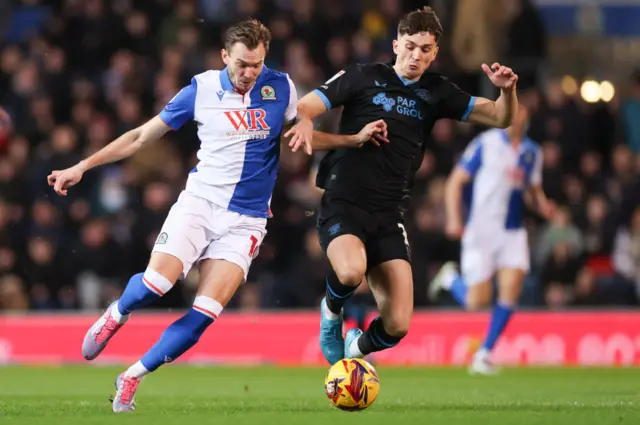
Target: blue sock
(499, 319)
(459, 290)
(181, 335)
(135, 295)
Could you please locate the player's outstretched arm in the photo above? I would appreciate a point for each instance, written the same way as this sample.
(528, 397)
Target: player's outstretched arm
(539, 201)
(313, 105)
(499, 113)
(452, 201)
(123, 147)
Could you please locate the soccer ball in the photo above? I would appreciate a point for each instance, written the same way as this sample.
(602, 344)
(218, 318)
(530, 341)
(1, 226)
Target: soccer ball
(352, 384)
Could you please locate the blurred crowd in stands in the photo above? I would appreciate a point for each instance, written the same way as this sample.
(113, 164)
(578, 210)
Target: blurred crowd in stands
(75, 74)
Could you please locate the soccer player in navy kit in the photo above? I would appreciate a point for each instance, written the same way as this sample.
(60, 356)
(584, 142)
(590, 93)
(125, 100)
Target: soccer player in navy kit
(360, 220)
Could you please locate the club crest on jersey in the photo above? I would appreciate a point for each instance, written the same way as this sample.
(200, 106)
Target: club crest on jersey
(268, 93)
(386, 102)
(248, 124)
(424, 94)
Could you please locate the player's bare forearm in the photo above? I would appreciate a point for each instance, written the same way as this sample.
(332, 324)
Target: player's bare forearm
(453, 195)
(126, 145)
(506, 108)
(326, 141)
(499, 113)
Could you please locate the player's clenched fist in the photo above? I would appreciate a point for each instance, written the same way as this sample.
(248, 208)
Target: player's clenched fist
(61, 180)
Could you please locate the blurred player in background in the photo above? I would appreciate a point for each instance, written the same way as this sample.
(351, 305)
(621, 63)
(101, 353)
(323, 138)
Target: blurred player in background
(360, 220)
(218, 221)
(499, 170)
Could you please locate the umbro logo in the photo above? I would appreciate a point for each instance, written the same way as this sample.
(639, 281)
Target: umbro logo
(379, 84)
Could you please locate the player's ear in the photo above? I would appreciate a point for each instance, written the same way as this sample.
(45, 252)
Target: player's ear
(394, 43)
(225, 56)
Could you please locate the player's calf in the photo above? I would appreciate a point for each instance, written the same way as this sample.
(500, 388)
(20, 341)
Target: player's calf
(510, 287)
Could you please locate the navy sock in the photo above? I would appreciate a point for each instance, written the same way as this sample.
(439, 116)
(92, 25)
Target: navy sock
(337, 293)
(376, 338)
(499, 320)
(181, 335)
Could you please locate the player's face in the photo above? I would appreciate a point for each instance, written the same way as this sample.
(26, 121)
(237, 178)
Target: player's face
(414, 54)
(244, 65)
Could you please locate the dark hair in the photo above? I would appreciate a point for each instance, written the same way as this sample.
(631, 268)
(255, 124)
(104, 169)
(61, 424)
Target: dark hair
(421, 20)
(251, 33)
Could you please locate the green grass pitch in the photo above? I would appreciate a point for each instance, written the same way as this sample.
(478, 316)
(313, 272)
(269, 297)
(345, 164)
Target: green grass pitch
(179, 394)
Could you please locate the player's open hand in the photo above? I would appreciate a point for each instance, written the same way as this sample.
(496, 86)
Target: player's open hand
(301, 136)
(61, 180)
(374, 132)
(501, 76)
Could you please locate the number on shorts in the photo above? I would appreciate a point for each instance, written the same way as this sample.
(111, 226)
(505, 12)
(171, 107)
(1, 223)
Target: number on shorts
(254, 245)
(404, 234)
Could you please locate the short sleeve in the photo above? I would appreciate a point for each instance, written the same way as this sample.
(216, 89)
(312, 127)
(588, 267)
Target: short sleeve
(472, 157)
(455, 103)
(181, 108)
(337, 90)
(536, 175)
(292, 109)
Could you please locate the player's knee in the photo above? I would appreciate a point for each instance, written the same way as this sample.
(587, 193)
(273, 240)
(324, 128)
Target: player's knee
(166, 265)
(350, 274)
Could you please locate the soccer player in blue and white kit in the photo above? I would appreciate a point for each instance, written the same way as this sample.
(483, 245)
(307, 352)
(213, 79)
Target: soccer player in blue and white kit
(218, 221)
(499, 170)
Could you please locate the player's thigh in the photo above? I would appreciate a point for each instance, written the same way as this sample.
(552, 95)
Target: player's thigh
(348, 259)
(392, 285)
(341, 234)
(184, 235)
(513, 264)
(239, 241)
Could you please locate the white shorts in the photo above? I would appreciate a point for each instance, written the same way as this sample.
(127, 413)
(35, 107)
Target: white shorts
(197, 229)
(484, 253)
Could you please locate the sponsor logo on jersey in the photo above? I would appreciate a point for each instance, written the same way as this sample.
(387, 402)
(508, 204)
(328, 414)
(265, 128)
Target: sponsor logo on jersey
(248, 124)
(400, 104)
(516, 176)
